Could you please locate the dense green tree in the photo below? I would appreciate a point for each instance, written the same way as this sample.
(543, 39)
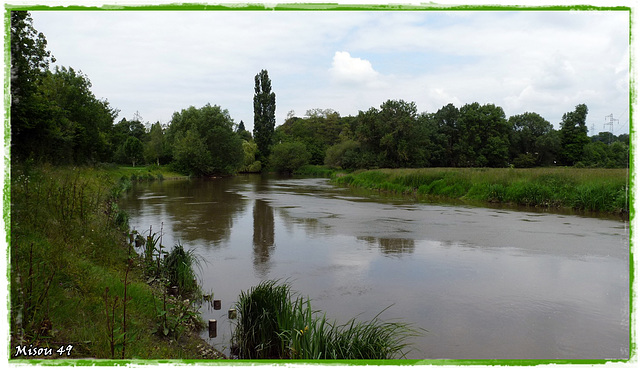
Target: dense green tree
(264, 114)
(531, 143)
(77, 125)
(133, 149)
(573, 135)
(191, 154)
(484, 136)
(29, 64)
(595, 154)
(216, 148)
(121, 132)
(343, 155)
(288, 157)
(618, 155)
(445, 134)
(387, 134)
(156, 148)
(243, 133)
(318, 130)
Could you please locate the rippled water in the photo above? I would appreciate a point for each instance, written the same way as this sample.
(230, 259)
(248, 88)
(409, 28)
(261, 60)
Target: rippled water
(483, 283)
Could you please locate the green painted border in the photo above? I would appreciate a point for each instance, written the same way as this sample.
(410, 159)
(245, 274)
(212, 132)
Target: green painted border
(325, 7)
(6, 195)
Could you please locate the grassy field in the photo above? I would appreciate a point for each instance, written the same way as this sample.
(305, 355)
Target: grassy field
(602, 190)
(75, 281)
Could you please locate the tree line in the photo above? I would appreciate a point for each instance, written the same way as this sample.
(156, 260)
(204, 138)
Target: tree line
(55, 117)
(474, 135)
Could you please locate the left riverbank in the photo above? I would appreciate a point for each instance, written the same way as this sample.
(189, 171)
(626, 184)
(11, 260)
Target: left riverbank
(78, 289)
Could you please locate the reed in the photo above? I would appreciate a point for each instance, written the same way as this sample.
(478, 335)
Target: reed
(274, 323)
(179, 268)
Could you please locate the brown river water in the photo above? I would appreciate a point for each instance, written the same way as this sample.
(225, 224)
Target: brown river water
(483, 283)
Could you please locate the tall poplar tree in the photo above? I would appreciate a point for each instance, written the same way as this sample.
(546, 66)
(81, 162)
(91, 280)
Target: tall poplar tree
(264, 114)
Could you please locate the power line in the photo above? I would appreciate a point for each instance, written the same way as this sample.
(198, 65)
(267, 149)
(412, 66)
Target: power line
(610, 124)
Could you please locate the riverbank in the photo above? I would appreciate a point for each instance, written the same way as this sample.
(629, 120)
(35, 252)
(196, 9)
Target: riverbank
(581, 189)
(78, 289)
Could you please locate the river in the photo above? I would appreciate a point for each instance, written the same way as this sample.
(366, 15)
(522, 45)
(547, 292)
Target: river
(482, 283)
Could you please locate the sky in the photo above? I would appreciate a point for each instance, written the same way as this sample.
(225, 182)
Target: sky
(155, 63)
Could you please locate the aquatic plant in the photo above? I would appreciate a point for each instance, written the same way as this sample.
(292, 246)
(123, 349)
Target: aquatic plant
(180, 267)
(274, 323)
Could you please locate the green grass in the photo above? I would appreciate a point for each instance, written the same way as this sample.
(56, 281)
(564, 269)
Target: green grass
(139, 173)
(604, 190)
(67, 247)
(275, 323)
(314, 170)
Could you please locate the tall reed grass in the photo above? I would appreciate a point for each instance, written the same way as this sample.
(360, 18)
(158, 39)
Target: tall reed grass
(605, 190)
(275, 323)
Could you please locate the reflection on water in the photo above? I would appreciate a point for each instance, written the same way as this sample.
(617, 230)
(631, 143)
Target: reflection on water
(484, 283)
(263, 236)
(391, 245)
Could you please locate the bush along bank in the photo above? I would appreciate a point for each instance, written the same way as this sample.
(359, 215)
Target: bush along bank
(592, 190)
(78, 289)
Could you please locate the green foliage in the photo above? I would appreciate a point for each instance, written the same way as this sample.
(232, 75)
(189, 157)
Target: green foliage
(156, 149)
(29, 64)
(204, 142)
(573, 135)
(484, 140)
(313, 170)
(177, 316)
(586, 190)
(179, 269)
(260, 312)
(250, 163)
(342, 155)
(531, 138)
(69, 124)
(288, 157)
(133, 149)
(243, 133)
(264, 114)
(275, 323)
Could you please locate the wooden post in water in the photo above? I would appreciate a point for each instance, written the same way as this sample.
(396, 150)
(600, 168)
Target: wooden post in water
(217, 304)
(232, 313)
(213, 328)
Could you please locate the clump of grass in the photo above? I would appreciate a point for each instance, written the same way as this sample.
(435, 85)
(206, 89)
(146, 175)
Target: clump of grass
(180, 271)
(274, 323)
(261, 311)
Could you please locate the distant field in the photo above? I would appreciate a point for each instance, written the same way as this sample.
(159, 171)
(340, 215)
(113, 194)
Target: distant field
(556, 187)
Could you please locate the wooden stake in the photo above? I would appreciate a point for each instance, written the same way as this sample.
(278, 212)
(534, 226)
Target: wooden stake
(213, 328)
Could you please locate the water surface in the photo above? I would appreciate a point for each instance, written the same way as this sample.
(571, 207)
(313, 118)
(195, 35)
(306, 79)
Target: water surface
(482, 283)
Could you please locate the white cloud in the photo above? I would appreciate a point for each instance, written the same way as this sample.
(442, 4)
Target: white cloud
(160, 62)
(348, 69)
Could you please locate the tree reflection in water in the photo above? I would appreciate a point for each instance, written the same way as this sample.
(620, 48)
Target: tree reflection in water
(391, 245)
(263, 236)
